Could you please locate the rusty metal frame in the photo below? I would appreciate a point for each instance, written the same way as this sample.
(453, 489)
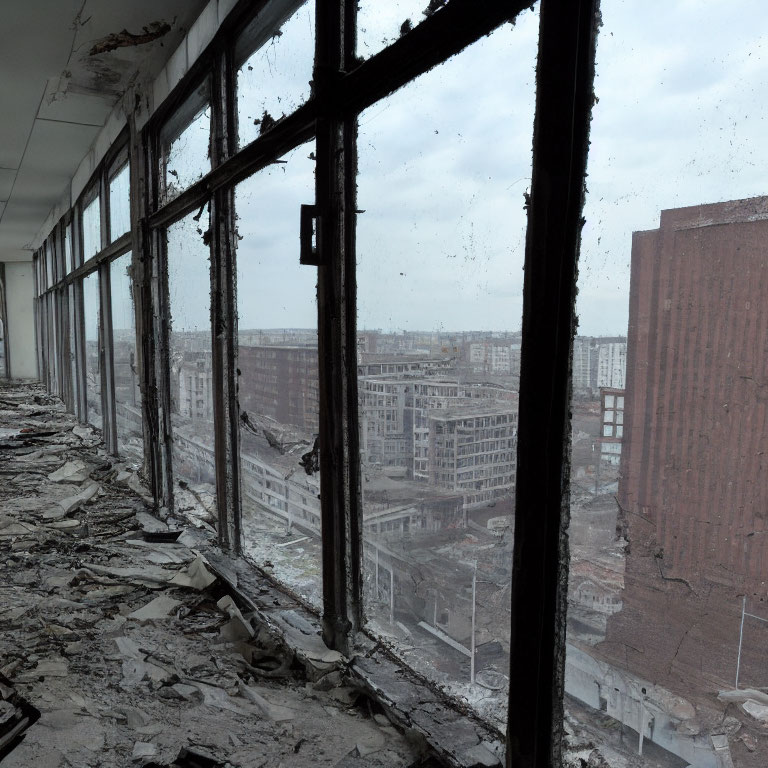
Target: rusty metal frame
(564, 98)
(340, 507)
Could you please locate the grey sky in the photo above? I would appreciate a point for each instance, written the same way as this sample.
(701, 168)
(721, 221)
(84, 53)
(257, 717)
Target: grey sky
(445, 161)
(681, 121)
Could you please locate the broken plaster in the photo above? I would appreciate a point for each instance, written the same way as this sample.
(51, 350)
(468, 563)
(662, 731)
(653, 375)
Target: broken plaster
(151, 32)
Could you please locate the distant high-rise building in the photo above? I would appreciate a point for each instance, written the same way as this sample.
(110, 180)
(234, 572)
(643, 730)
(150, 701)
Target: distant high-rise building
(582, 364)
(612, 365)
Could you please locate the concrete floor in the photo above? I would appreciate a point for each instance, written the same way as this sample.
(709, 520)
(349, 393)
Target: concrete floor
(116, 687)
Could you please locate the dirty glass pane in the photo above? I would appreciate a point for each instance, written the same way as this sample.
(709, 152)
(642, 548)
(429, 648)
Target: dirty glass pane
(440, 246)
(53, 360)
(191, 363)
(275, 79)
(72, 348)
(91, 229)
(381, 24)
(49, 273)
(127, 395)
(68, 265)
(185, 144)
(277, 359)
(667, 612)
(92, 315)
(42, 339)
(120, 203)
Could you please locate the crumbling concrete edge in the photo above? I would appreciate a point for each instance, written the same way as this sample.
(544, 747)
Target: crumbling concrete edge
(451, 735)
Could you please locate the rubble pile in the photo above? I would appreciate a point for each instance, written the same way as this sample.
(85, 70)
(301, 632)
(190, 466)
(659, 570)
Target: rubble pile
(117, 628)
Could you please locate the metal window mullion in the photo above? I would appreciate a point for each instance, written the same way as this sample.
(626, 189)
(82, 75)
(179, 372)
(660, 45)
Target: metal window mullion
(51, 364)
(108, 370)
(64, 335)
(565, 73)
(63, 347)
(79, 313)
(109, 430)
(36, 316)
(160, 301)
(44, 338)
(222, 332)
(60, 306)
(144, 318)
(224, 315)
(161, 309)
(4, 319)
(339, 459)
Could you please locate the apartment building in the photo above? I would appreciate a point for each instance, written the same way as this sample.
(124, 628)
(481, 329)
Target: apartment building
(472, 451)
(612, 365)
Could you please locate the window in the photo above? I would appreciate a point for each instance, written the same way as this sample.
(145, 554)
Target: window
(91, 232)
(92, 329)
(124, 355)
(397, 344)
(278, 367)
(185, 144)
(437, 258)
(119, 203)
(190, 351)
(276, 78)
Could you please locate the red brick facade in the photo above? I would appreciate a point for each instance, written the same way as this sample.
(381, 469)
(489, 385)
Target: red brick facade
(694, 468)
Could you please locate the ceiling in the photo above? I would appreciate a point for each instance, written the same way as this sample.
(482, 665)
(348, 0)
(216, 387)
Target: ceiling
(60, 76)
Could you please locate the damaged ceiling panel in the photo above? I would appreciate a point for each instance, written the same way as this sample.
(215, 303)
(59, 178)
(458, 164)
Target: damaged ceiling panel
(65, 63)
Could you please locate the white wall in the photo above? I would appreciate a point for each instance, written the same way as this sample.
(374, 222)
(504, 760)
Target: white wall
(19, 289)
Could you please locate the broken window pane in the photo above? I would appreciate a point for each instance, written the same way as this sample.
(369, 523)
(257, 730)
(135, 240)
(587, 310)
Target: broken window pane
(667, 529)
(190, 352)
(127, 395)
(92, 318)
(185, 144)
(119, 203)
(91, 229)
(275, 79)
(277, 359)
(381, 24)
(440, 248)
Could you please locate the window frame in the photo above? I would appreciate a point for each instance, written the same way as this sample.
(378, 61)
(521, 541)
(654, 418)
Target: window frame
(343, 86)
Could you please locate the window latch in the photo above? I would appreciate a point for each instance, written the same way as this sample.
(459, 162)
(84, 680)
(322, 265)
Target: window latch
(308, 234)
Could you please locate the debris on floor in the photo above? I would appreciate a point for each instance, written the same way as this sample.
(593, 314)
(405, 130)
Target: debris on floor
(116, 630)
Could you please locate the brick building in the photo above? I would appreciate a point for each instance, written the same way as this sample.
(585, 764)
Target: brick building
(693, 491)
(280, 382)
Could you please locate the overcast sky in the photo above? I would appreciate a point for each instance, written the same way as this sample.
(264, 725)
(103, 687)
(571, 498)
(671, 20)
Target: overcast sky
(445, 161)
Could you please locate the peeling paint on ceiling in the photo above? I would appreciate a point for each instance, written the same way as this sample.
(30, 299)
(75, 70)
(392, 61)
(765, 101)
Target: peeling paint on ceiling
(66, 63)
